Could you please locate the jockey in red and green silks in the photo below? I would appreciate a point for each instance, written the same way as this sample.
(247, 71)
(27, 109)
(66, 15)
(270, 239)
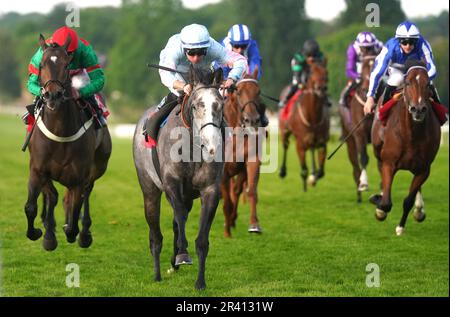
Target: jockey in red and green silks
(84, 59)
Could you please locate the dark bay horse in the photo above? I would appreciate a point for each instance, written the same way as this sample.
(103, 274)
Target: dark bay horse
(65, 148)
(357, 143)
(242, 113)
(409, 141)
(195, 128)
(310, 124)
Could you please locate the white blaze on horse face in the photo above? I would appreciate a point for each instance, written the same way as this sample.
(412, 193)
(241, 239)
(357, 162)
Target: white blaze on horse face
(210, 135)
(53, 59)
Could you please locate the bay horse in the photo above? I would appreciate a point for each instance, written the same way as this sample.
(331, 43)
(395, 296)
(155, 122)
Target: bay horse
(409, 141)
(242, 113)
(65, 148)
(185, 178)
(309, 122)
(357, 143)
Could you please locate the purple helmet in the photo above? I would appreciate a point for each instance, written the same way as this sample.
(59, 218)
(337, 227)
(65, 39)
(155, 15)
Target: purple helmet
(366, 39)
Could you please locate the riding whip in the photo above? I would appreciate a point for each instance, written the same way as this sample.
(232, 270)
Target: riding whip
(348, 136)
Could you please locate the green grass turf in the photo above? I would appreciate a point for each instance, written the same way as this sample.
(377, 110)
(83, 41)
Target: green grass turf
(314, 244)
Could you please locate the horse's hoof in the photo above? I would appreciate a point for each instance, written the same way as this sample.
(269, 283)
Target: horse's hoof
(363, 187)
(183, 259)
(49, 244)
(85, 240)
(34, 234)
(380, 214)
(399, 230)
(419, 216)
(254, 229)
(375, 199)
(227, 234)
(171, 270)
(311, 180)
(200, 286)
(282, 173)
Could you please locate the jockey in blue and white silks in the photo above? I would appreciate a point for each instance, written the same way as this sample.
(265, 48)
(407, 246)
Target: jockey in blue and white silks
(239, 39)
(407, 44)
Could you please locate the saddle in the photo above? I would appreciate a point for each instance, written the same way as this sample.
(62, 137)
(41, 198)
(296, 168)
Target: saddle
(285, 112)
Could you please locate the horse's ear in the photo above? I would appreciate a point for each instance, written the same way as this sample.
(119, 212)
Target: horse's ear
(67, 42)
(218, 76)
(42, 42)
(255, 72)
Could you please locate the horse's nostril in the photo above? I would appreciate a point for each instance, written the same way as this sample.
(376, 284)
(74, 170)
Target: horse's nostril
(413, 109)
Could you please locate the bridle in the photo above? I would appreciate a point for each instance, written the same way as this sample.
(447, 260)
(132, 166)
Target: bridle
(404, 89)
(362, 101)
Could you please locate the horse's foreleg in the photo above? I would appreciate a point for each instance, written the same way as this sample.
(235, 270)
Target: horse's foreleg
(361, 146)
(353, 157)
(227, 205)
(408, 202)
(34, 189)
(210, 200)
(236, 191)
(312, 178)
(322, 154)
(252, 194)
(51, 197)
(152, 207)
(175, 198)
(72, 205)
(304, 168)
(384, 203)
(85, 239)
(285, 139)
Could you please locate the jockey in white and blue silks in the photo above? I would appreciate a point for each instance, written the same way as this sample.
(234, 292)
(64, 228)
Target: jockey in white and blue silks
(239, 40)
(192, 45)
(408, 43)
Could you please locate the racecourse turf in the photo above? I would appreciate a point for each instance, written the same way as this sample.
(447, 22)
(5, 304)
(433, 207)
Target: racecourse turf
(317, 243)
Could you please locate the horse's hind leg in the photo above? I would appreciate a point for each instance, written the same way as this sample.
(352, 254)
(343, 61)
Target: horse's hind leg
(152, 206)
(51, 197)
(408, 202)
(210, 200)
(235, 192)
(34, 189)
(72, 206)
(252, 179)
(85, 238)
(419, 210)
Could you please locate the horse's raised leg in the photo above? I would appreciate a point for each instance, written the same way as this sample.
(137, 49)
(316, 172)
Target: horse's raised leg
(419, 210)
(51, 198)
(85, 238)
(408, 202)
(210, 199)
(227, 205)
(383, 202)
(72, 205)
(252, 194)
(304, 168)
(152, 207)
(34, 189)
(312, 178)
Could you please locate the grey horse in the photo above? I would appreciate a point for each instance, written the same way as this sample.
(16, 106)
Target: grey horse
(201, 126)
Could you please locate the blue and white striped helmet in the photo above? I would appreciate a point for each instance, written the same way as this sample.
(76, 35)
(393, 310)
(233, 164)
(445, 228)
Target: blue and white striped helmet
(407, 30)
(239, 34)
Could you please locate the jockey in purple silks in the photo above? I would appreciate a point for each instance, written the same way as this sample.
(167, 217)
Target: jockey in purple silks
(365, 44)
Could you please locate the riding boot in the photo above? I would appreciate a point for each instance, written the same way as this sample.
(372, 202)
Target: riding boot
(292, 90)
(345, 93)
(152, 125)
(388, 93)
(434, 93)
(30, 110)
(100, 120)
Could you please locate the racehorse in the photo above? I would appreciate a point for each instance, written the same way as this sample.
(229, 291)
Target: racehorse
(310, 124)
(65, 148)
(185, 178)
(409, 141)
(357, 143)
(242, 113)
